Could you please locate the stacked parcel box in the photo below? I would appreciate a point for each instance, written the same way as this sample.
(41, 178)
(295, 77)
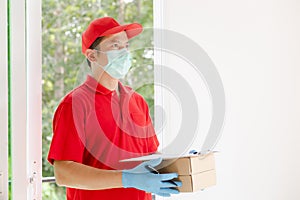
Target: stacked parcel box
(196, 172)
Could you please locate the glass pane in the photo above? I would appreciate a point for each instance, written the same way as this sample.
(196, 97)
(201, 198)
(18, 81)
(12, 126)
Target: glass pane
(51, 191)
(63, 22)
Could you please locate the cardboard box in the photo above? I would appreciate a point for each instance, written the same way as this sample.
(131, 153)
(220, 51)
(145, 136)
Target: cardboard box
(186, 165)
(196, 172)
(196, 182)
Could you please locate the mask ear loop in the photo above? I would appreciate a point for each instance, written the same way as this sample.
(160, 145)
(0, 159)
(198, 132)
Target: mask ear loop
(97, 50)
(98, 65)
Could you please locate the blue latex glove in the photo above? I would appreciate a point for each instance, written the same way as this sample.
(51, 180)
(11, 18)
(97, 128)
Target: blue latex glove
(142, 178)
(193, 151)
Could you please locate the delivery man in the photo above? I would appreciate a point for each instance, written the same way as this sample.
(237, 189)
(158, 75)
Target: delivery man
(102, 122)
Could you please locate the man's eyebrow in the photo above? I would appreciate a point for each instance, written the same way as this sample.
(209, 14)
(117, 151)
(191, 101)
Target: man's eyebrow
(117, 40)
(112, 40)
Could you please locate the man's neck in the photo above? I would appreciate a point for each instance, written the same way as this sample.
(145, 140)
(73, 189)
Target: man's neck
(107, 81)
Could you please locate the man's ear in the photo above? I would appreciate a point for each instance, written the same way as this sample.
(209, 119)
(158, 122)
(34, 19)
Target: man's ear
(90, 55)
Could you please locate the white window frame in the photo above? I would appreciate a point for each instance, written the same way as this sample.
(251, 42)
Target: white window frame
(163, 124)
(158, 91)
(3, 102)
(26, 99)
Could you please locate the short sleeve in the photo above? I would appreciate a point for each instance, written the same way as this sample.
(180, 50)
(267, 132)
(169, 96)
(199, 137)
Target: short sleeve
(153, 142)
(68, 134)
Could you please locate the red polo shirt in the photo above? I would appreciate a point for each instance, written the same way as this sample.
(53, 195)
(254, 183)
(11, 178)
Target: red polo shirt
(97, 127)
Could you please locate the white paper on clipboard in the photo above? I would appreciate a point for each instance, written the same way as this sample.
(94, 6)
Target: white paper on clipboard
(155, 156)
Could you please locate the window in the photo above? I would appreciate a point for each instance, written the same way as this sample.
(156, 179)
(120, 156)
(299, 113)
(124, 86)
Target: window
(44, 58)
(63, 62)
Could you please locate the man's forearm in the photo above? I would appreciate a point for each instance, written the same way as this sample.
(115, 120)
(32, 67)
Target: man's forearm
(76, 175)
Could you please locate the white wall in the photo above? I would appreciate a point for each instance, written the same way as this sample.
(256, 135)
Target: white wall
(255, 46)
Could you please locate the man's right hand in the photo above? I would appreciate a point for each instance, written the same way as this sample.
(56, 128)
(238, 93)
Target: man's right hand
(142, 178)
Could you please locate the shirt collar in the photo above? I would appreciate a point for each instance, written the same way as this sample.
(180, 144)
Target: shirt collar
(92, 84)
(97, 87)
(124, 89)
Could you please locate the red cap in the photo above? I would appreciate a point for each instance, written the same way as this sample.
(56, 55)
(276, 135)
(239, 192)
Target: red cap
(105, 26)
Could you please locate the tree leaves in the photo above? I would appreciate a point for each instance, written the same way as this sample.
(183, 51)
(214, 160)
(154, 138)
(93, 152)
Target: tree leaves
(62, 24)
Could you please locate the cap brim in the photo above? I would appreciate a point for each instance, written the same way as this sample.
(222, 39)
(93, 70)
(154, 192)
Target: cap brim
(131, 30)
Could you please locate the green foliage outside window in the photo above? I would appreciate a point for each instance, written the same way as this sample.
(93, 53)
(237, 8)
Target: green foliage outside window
(62, 24)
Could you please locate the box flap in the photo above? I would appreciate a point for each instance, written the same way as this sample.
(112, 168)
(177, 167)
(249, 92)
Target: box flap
(187, 165)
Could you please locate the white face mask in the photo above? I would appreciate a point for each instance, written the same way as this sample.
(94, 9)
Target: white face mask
(119, 63)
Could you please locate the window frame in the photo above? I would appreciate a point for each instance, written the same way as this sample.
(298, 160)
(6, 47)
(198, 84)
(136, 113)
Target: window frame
(3, 102)
(26, 95)
(158, 61)
(25, 101)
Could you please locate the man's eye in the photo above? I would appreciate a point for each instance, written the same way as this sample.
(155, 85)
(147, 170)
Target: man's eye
(115, 45)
